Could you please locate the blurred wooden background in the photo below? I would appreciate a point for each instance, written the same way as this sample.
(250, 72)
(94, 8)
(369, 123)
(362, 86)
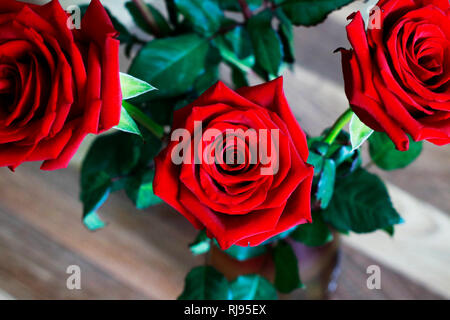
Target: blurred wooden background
(144, 254)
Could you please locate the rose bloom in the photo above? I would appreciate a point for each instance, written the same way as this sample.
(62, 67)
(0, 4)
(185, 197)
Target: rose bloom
(238, 202)
(56, 85)
(397, 77)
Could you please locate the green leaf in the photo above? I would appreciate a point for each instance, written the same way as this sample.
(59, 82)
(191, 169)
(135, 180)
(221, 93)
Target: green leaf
(160, 110)
(266, 42)
(238, 40)
(171, 64)
(149, 147)
(359, 132)
(390, 230)
(118, 183)
(346, 160)
(325, 186)
(93, 222)
(236, 49)
(342, 154)
(201, 245)
(287, 275)
(211, 72)
(114, 154)
(205, 15)
(139, 189)
(286, 32)
(161, 22)
(144, 120)
(233, 5)
(180, 104)
(109, 161)
(318, 146)
(206, 80)
(94, 193)
(206, 283)
(384, 154)
(316, 161)
(313, 234)
(245, 253)
(133, 87)
(172, 12)
(239, 78)
(311, 12)
(361, 204)
(127, 123)
(253, 287)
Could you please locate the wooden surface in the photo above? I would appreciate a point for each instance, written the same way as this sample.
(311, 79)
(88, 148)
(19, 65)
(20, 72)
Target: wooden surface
(141, 255)
(420, 248)
(144, 254)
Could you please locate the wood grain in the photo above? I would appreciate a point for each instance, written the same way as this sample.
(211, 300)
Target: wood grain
(34, 267)
(420, 248)
(142, 255)
(394, 285)
(147, 254)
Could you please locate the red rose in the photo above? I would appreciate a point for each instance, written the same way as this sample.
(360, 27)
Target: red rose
(397, 77)
(249, 199)
(56, 85)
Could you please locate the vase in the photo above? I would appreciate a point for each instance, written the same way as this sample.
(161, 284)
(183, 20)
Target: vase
(319, 268)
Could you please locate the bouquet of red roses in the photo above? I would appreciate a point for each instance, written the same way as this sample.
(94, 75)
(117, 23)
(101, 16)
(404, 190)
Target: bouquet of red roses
(230, 157)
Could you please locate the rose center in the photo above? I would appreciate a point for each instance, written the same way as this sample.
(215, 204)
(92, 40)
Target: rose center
(8, 88)
(232, 156)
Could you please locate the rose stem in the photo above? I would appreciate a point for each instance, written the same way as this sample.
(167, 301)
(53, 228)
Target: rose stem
(245, 9)
(338, 126)
(148, 17)
(144, 120)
